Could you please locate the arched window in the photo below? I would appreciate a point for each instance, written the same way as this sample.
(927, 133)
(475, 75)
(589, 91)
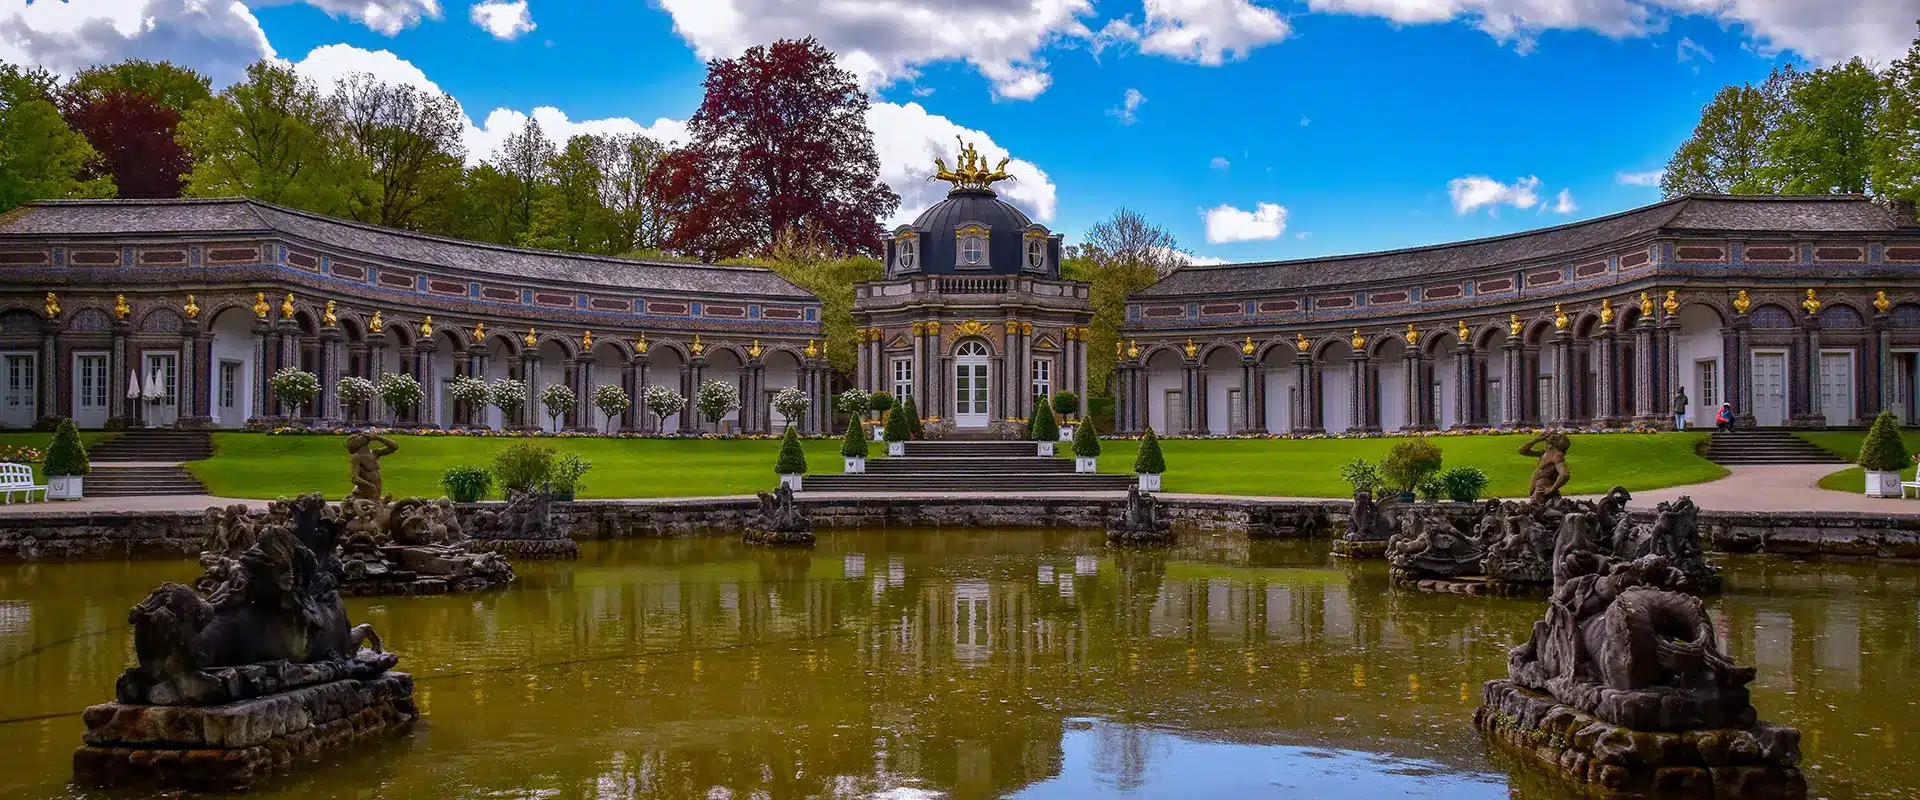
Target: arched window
(970, 349)
(905, 253)
(973, 251)
(1036, 254)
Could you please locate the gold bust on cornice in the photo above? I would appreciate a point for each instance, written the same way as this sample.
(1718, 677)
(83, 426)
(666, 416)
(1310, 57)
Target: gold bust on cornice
(1465, 335)
(1133, 349)
(328, 318)
(754, 350)
(120, 307)
(377, 324)
(1300, 342)
(1646, 305)
(1880, 301)
(1671, 305)
(286, 307)
(697, 348)
(1812, 304)
(191, 309)
(1741, 302)
(426, 325)
(640, 345)
(479, 331)
(1247, 348)
(532, 339)
(52, 306)
(1192, 349)
(260, 307)
(1606, 311)
(1359, 342)
(813, 350)
(1413, 336)
(1513, 325)
(1560, 320)
(586, 341)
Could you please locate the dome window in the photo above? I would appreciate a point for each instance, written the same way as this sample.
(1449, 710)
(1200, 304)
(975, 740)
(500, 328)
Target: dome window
(973, 251)
(904, 254)
(1036, 254)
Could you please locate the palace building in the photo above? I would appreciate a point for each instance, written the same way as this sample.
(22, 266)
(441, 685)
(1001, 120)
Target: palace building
(201, 301)
(1800, 311)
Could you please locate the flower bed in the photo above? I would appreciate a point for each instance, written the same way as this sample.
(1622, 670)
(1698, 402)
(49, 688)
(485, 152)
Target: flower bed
(342, 430)
(1381, 435)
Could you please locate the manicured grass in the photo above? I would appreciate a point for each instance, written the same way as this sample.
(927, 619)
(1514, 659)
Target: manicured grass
(41, 440)
(1847, 445)
(1311, 467)
(260, 466)
(254, 465)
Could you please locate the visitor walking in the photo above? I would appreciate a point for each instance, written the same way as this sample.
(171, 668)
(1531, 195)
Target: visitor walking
(1680, 409)
(1724, 419)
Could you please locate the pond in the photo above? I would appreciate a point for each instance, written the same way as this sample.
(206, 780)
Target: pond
(974, 664)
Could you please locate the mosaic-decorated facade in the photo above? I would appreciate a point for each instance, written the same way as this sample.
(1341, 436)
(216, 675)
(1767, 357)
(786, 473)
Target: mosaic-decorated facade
(209, 298)
(1800, 311)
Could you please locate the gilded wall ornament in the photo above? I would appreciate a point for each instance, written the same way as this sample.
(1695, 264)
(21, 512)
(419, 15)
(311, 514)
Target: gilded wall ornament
(1672, 304)
(191, 309)
(586, 341)
(1812, 304)
(640, 345)
(532, 339)
(1560, 320)
(972, 327)
(1133, 349)
(1359, 342)
(1741, 302)
(327, 316)
(1300, 342)
(1247, 348)
(1606, 311)
(1465, 335)
(286, 307)
(813, 350)
(120, 308)
(1413, 336)
(1513, 325)
(754, 350)
(260, 307)
(697, 347)
(377, 324)
(426, 325)
(1646, 305)
(52, 306)
(1880, 302)
(1192, 349)
(933, 329)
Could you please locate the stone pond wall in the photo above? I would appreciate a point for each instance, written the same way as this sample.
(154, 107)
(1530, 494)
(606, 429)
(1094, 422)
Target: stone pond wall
(48, 534)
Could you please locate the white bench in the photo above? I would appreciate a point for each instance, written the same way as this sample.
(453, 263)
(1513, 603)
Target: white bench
(19, 478)
(1909, 486)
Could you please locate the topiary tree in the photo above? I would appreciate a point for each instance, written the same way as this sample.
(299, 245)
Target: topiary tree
(1149, 461)
(792, 404)
(792, 460)
(1066, 404)
(854, 444)
(897, 429)
(612, 401)
(663, 402)
(1042, 428)
(716, 399)
(67, 458)
(558, 400)
(913, 417)
(1086, 442)
(400, 391)
(879, 402)
(508, 395)
(1883, 450)
(1410, 463)
(354, 391)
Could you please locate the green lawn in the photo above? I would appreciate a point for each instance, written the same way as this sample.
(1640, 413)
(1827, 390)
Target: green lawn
(41, 440)
(1847, 445)
(260, 466)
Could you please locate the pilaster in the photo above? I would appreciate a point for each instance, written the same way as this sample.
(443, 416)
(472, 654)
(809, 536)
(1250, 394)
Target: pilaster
(331, 342)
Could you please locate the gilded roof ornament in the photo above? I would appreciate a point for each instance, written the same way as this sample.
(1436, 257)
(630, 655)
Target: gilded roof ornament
(53, 305)
(586, 341)
(1191, 348)
(377, 324)
(1247, 349)
(479, 331)
(260, 307)
(1672, 304)
(120, 308)
(1133, 349)
(1606, 311)
(1300, 342)
(754, 350)
(640, 345)
(1560, 320)
(697, 347)
(1741, 302)
(426, 325)
(286, 307)
(1413, 336)
(970, 170)
(191, 309)
(327, 317)
(1359, 342)
(1812, 304)
(1880, 302)
(1513, 325)
(532, 339)
(1465, 335)
(1646, 305)
(813, 350)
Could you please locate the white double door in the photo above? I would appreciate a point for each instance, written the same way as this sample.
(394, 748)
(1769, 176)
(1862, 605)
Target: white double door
(1837, 387)
(92, 404)
(970, 392)
(19, 396)
(162, 370)
(1770, 388)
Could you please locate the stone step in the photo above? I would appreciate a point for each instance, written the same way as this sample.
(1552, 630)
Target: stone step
(983, 465)
(992, 448)
(141, 481)
(154, 445)
(949, 483)
(1766, 447)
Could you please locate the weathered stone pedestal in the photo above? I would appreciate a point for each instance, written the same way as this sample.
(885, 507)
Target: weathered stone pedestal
(781, 522)
(524, 529)
(1143, 522)
(1366, 548)
(1757, 761)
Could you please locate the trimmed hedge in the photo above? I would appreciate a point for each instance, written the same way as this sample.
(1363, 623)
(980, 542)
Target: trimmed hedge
(1086, 441)
(1042, 428)
(1882, 451)
(914, 427)
(67, 457)
(792, 460)
(854, 444)
(1149, 461)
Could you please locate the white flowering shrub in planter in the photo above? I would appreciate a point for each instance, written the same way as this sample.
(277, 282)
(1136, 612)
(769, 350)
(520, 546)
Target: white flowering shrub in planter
(612, 401)
(663, 402)
(400, 392)
(557, 399)
(510, 396)
(295, 387)
(472, 392)
(354, 393)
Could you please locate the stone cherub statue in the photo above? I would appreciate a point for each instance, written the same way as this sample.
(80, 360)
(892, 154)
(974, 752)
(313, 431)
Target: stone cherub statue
(364, 461)
(781, 520)
(1551, 475)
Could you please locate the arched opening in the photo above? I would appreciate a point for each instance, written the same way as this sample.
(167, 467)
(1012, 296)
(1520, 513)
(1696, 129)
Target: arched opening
(1444, 385)
(1541, 375)
(1390, 358)
(1699, 351)
(502, 361)
(1336, 386)
(972, 360)
(231, 352)
(1224, 403)
(1490, 383)
(724, 366)
(556, 366)
(1283, 389)
(608, 359)
(782, 370)
(1166, 401)
(449, 362)
(1906, 362)
(664, 368)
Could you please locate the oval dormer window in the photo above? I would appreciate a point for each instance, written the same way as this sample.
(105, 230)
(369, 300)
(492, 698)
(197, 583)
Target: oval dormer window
(1036, 254)
(904, 253)
(973, 251)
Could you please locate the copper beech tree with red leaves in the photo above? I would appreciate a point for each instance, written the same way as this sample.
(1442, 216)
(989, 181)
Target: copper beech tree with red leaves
(135, 138)
(780, 145)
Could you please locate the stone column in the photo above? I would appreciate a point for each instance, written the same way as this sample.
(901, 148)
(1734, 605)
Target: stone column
(1190, 379)
(1466, 385)
(119, 362)
(530, 375)
(1740, 373)
(1249, 383)
(696, 375)
(1304, 370)
(585, 415)
(1808, 412)
(822, 390)
(1561, 415)
(1080, 376)
(1667, 370)
(920, 368)
(639, 381)
(1882, 364)
(376, 367)
(1260, 423)
(331, 352)
(48, 412)
(1644, 410)
(429, 409)
(1606, 410)
(1513, 390)
(1420, 410)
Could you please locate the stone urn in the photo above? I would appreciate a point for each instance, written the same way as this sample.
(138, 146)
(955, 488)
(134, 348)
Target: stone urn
(792, 482)
(1879, 484)
(856, 465)
(68, 487)
(1150, 482)
(1046, 449)
(1086, 464)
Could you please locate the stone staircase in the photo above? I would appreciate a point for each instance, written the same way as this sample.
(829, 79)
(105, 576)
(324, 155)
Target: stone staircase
(969, 466)
(143, 462)
(1766, 447)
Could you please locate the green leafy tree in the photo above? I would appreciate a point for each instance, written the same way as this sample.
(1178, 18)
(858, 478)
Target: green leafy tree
(809, 263)
(567, 210)
(1727, 153)
(1896, 147)
(1410, 463)
(854, 444)
(1824, 142)
(402, 150)
(40, 156)
(1121, 255)
(792, 460)
(1149, 461)
(522, 160)
(272, 136)
(1042, 427)
(1883, 450)
(164, 82)
(67, 457)
(1066, 404)
(634, 220)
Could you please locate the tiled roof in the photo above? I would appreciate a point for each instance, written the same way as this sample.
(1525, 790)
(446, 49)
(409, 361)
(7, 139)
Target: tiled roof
(244, 217)
(1694, 213)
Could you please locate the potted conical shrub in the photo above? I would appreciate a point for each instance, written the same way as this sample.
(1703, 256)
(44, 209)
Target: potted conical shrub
(1043, 429)
(1066, 407)
(1149, 463)
(1883, 455)
(898, 431)
(879, 402)
(792, 463)
(1086, 449)
(854, 447)
(66, 464)
(906, 408)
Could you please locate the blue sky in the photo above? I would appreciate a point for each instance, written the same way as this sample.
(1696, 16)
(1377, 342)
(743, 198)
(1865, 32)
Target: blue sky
(1257, 129)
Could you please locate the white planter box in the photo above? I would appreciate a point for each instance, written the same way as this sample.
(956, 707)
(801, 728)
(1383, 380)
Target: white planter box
(1879, 484)
(856, 465)
(791, 481)
(879, 431)
(1046, 448)
(896, 449)
(1066, 433)
(68, 487)
(1085, 464)
(1150, 483)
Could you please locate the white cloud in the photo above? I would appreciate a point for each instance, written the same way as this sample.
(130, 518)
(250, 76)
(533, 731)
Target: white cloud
(386, 16)
(505, 20)
(1128, 105)
(908, 139)
(1821, 31)
(1228, 224)
(1302, 235)
(1206, 32)
(887, 41)
(219, 38)
(1687, 48)
(1190, 259)
(1563, 202)
(1649, 178)
(1220, 163)
(1475, 192)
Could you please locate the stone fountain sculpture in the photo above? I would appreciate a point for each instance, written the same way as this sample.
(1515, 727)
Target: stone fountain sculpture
(259, 673)
(1370, 524)
(1622, 686)
(1673, 534)
(781, 521)
(1144, 521)
(413, 546)
(1431, 552)
(525, 528)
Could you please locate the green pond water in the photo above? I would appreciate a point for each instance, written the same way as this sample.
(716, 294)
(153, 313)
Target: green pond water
(975, 664)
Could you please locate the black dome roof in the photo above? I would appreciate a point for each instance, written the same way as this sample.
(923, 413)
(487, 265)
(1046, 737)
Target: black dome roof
(1006, 228)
